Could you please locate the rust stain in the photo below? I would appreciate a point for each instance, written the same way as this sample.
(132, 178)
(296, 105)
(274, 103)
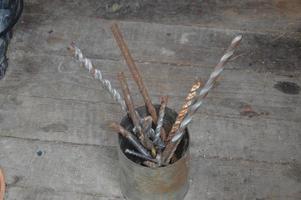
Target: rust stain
(52, 39)
(248, 111)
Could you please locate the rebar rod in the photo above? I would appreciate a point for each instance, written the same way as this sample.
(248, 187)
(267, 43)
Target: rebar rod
(97, 74)
(172, 146)
(130, 137)
(134, 70)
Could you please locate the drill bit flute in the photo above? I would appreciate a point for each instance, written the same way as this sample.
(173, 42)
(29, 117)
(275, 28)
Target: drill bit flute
(97, 74)
(172, 146)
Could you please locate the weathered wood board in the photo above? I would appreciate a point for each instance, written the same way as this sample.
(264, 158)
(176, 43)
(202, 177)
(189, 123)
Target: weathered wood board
(54, 138)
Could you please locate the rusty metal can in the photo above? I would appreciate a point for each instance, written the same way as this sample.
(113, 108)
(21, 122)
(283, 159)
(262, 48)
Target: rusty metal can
(138, 182)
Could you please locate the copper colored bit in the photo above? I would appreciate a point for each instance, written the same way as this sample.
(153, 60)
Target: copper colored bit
(191, 95)
(2, 185)
(130, 137)
(134, 70)
(198, 101)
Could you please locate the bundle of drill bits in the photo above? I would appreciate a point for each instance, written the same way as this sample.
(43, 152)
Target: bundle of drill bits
(151, 142)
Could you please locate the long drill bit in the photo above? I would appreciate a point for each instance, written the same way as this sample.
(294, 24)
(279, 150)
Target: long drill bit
(188, 101)
(97, 74)
(134, 70)
(133, 114)
(130, 137)
(172, 146)
(164, 101)
(149, 131)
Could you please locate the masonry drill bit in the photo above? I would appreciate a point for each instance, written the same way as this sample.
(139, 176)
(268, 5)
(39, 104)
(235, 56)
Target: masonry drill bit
(97, 74)
(2, 185)
(172, 146)
(164, 101)
(139, 155)
(134, 70)
(149, 131)
(133, 114)
(130, 137)
(188, 101)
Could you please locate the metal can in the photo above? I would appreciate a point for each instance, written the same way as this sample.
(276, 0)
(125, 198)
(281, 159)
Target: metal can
(138, 182)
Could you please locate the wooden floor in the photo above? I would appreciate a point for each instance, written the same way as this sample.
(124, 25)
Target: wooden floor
(246, 140)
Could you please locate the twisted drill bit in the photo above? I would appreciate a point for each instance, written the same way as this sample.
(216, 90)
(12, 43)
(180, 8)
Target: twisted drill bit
(139, 155)
(188, 101)
(133, 114)
(97, 74)
(147, 127)
(130, 137)
(164, 101)
(172, 146)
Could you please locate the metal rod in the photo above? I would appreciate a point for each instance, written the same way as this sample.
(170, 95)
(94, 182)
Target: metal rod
(97, 74)
(131, 138)
(134, 70)
(172, 146)
(133, 114)
(139, 155)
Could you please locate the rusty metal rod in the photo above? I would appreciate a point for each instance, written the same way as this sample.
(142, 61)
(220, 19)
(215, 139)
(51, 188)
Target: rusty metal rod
(130, 137)
(133, 114)
(198, 101)
(134, 70)
(97, 74)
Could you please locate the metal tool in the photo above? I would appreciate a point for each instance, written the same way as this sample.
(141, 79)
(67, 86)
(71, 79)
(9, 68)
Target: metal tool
(131, 138)
(172, 146)
(97, 74)
(164, 101)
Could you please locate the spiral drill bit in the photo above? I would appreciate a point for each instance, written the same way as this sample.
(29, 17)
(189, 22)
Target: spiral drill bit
(130, 137)
(188, 101)
(164, 101)
(172, 146)
(97, 74)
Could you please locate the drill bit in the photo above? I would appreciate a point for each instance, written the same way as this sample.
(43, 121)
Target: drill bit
(139, 155)
(175, 141)
(188, 101)
(149, 131)
(164, 101)
(130, 137)
(133, 114)
(97, 74)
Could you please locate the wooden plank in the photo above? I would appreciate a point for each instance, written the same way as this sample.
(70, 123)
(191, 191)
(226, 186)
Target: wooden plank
(64, 170)
(249, 15)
